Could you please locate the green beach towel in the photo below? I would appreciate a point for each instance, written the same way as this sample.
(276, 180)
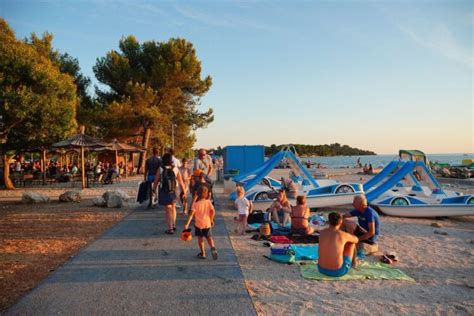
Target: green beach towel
(366, 270)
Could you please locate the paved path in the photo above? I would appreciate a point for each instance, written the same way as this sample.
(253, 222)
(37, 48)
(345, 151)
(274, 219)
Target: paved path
(135, 268)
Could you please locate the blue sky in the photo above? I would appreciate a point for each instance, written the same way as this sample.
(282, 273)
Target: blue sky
(378, 75)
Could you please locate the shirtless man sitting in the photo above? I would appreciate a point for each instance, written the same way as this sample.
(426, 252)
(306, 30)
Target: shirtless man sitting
(336, 248)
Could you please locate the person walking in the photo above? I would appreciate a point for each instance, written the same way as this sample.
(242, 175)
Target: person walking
(204, 162)
(169, 178)
(152, 165)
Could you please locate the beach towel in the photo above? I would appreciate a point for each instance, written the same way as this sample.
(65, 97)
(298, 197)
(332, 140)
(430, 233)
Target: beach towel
(281, 240)
(366, 271)
(305, 252)
(307, 239)
(257, 225)
(281, 231)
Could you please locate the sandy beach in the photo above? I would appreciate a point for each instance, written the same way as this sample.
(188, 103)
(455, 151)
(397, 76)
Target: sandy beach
(442, 265)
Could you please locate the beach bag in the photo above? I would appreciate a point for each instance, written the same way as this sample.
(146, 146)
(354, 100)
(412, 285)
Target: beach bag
(143, 191)
(257, 217)
(168, 181)
(283, 255)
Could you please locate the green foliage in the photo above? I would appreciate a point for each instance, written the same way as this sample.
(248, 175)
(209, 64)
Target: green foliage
(321, 150)
(156, 84)
(37, 101)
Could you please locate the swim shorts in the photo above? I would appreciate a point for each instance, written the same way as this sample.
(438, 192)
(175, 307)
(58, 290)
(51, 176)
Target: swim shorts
(343, 270)
(202, 232)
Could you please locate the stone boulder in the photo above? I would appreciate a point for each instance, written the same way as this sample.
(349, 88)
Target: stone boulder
(114, 201)
(71, 196)
(99, 201)
(124, 196)
(34, 198)
(116, 198)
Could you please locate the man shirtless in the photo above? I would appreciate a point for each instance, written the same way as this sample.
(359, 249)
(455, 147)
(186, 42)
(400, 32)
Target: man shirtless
(336, 248)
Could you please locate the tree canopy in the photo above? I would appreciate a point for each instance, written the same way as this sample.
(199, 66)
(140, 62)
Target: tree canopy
(152, 88)
(37, 101)
(335, 149)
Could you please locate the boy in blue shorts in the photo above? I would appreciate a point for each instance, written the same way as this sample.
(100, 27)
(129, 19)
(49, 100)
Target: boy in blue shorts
(336, 248)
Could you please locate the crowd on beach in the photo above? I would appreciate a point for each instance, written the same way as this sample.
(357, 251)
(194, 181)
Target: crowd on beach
(338, 243)
(172, 181)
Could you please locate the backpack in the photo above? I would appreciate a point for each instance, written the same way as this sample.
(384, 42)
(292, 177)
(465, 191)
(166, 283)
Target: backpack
(168, 181)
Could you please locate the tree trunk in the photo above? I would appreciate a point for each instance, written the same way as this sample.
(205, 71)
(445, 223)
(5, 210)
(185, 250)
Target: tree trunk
(6, 172)
(83, 171)
(43, 165)
(145, 144)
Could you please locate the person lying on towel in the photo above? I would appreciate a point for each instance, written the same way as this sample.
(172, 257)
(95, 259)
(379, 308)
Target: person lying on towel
(300, 217)
(369, 222)
(336, 248)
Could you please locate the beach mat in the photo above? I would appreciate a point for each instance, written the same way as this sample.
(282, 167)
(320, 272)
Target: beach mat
(366, 271)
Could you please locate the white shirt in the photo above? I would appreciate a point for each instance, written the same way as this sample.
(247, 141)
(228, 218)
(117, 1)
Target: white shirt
(176, 162)
(242, 205)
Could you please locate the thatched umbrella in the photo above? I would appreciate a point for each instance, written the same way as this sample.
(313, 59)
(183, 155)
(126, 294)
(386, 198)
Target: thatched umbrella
(81, 141)
(124, 148)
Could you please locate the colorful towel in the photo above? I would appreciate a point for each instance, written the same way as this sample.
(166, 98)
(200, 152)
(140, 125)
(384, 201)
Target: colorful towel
(366, 270)
(281, 240)
(305, 252)
(274, 225)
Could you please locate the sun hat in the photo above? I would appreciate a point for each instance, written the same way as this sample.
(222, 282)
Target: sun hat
(197, 172)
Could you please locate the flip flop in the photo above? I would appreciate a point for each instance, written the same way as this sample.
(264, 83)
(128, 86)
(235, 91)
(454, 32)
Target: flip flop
(392, 256)
(214, 253)
(386, 259)
(169, 232)
(200, 256)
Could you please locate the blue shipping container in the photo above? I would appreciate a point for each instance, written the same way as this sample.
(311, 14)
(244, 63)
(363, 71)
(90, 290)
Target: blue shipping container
(243, 158)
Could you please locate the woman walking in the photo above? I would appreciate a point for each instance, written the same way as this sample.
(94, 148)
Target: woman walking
(168, 178)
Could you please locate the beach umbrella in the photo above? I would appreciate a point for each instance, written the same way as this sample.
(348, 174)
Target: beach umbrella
(119, 147)
(81, 141)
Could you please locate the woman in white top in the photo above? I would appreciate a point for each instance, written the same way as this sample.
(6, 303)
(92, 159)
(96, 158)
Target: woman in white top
(244, 206)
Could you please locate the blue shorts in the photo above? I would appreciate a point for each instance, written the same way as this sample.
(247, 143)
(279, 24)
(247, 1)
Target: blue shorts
(343, 270)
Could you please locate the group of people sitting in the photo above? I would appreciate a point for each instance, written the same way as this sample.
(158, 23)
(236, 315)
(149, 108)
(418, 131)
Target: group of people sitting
(107, 173)
(337, 243)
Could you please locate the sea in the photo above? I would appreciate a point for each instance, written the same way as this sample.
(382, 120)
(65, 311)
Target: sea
(380, 161)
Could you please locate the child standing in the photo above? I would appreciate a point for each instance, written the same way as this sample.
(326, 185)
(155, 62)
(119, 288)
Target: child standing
(186, 176)
(244, 207)
(204, 213)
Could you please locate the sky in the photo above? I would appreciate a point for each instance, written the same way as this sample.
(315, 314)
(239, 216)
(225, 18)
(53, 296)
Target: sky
(377, 75)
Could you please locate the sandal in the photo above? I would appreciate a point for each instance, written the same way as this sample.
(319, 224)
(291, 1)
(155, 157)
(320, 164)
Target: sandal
(214, 253)
(392, 256)
(169, 232)
(386, 259)
(200, 256)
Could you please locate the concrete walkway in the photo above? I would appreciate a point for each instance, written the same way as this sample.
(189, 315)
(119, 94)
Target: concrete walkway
(135, 268)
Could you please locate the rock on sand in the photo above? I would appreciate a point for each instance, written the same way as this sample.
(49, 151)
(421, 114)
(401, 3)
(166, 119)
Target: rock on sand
(115, 198)
(71, 196)
(99, 201)
(34, 197)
